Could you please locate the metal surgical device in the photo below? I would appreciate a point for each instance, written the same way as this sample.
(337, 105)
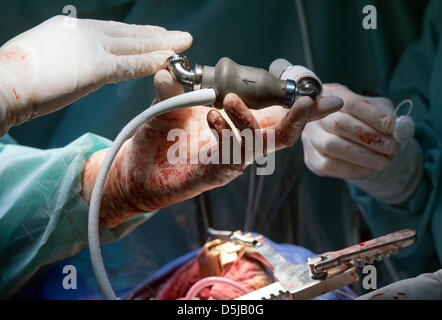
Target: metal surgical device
(322, 273)
(257, 87)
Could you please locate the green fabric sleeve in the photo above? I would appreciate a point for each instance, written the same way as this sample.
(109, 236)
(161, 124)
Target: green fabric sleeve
(43, 218)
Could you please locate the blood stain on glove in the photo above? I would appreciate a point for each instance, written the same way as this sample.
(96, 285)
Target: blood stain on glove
(369, 137)
(15, 94)
(376, 295)
(17, 55)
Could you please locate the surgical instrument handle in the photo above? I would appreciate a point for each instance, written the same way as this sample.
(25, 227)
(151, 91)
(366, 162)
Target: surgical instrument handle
(363, 253)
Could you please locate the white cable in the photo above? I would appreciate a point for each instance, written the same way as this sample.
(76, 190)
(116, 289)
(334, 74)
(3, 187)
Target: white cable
(194, 98)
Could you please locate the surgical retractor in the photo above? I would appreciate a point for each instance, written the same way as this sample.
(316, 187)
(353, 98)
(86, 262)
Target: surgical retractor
(256, 87)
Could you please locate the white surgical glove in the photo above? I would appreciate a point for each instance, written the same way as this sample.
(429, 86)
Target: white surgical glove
(427, 286)
(357, 144)
(64, 59)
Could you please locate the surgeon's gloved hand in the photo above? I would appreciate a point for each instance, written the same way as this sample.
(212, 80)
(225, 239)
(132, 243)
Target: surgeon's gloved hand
(357, 144)
(143, 177)
(64, 59)
(427, 286)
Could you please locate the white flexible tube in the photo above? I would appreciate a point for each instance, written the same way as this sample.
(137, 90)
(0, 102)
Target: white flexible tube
(194, 98)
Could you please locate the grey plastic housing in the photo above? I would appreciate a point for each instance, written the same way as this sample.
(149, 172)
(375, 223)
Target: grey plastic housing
(256, 87)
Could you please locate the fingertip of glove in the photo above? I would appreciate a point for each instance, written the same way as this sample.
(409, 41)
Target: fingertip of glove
(332, 103)
(181, 40)
(326, 106)
(162, 77)
(186, 36)
(231, 100)
(212, 116)
(305, 102)
(166, 86)
(216, 120)
(303, 106)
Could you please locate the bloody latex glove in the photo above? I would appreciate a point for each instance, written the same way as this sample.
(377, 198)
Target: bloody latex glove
(143, 179)
(357, 144)
(354, 141)
(64, 59)
(427, 286)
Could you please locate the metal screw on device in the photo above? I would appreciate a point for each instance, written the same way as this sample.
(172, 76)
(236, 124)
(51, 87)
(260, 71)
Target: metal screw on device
(312, 262)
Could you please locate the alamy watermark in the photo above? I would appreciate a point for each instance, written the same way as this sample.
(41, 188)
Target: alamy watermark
(370, 281)
(70, 280)
(70, 22)
(370, 20)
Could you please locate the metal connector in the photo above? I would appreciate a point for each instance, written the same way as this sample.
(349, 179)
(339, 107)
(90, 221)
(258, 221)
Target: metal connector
(179, 67)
